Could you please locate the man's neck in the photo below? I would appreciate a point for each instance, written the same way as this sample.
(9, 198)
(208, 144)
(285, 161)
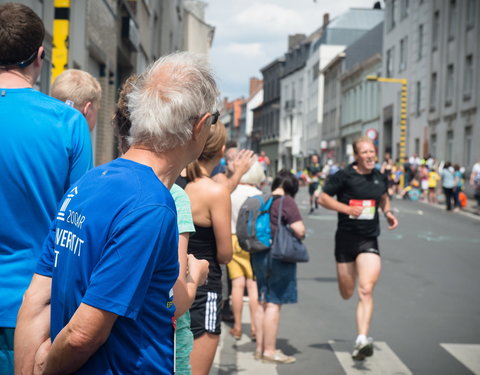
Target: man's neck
(15, 79)
(166, 165)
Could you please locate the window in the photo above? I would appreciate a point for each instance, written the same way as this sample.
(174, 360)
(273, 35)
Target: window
(436, 30)
(420, 42)
(452, 19)
(467, 157)
(470, 14)
(417, 146)
(433, 145)
(468, 77)
(433, 92)
(449, 146)
(403, 9)
(316, 71)
(449, 87)
(389, 67)
(418, 98)
(391, 15)
(403, 54)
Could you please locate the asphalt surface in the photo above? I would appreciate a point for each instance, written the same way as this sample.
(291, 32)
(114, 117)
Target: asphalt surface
(427, 302)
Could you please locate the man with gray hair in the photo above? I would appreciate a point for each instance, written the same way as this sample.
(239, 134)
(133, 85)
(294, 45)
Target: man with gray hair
(110, 261)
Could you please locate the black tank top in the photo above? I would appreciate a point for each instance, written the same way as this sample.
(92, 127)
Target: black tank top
(202, 244)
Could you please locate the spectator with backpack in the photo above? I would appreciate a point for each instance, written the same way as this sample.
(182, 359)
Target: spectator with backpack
(240, 268)
(276, 280)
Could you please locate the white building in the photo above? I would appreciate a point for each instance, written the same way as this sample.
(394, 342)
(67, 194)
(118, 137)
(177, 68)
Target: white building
(198, 33)
(321, 56)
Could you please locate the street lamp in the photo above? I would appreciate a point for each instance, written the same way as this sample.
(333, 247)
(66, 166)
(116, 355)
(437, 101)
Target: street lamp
(403, 110)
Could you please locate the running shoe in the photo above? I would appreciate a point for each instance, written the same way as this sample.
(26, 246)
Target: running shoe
(279, 357)
(363, 350)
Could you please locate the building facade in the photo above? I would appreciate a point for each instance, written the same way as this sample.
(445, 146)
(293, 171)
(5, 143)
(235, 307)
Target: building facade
(360, 110)
(112, 39)
(321, 56)
(254, 100)
(198, 33)
(435, 46)
(266, 117)
(292, 104)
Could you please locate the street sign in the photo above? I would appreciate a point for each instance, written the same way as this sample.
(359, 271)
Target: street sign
(372, 133)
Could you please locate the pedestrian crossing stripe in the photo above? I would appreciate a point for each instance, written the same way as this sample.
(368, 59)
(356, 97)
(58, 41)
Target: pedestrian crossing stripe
(383, 361)
(238, 356)
(467, 354)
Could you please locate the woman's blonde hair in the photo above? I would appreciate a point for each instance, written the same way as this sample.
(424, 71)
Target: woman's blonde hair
(213, 146)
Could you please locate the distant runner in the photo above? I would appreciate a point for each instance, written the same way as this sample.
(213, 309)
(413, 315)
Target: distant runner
(313, 170)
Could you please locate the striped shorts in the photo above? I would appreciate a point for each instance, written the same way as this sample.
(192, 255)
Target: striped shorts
(205, 313)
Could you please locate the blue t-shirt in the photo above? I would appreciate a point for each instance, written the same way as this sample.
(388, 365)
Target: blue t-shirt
(44, 147)
(448, 179)
(113, 245)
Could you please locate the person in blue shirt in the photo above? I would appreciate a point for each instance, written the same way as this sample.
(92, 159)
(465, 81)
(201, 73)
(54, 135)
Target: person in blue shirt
(448, 184)
(110, 261)
(45, 147)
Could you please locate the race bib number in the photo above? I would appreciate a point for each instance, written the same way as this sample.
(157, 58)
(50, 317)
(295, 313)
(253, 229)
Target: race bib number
(368, 208)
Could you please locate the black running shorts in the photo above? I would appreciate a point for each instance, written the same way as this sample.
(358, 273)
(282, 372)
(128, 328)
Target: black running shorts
(312, 186)
(205, 313)
(349, 245)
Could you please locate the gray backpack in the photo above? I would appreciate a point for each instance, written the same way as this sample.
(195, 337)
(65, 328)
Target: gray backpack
(253, 223)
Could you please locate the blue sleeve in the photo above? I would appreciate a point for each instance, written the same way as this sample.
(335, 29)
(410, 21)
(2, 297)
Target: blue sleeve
(143, 242)
(46, 262)
(81, 158)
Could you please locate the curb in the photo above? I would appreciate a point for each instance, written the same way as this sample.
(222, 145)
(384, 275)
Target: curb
(467, 211)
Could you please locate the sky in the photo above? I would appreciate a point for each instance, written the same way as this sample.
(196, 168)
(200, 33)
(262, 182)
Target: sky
(249, 34)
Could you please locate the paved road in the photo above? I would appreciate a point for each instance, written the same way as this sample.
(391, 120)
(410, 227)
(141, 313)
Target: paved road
(427, 317)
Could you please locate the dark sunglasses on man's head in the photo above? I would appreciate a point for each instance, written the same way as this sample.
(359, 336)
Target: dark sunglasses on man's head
(215, 116)
(24, 63)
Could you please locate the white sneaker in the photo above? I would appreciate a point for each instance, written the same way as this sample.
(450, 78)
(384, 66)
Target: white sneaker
(363, 350)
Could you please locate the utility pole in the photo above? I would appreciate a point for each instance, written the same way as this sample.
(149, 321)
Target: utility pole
(403, 111)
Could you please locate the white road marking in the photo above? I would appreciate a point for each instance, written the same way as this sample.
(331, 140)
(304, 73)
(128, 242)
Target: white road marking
(384, 361)
(245, 360)
(467, 354)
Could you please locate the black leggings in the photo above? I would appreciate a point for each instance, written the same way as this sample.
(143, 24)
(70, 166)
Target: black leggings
(448, 197)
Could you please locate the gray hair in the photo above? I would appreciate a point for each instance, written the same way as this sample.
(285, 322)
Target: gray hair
(175, 91)
(254, 176)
